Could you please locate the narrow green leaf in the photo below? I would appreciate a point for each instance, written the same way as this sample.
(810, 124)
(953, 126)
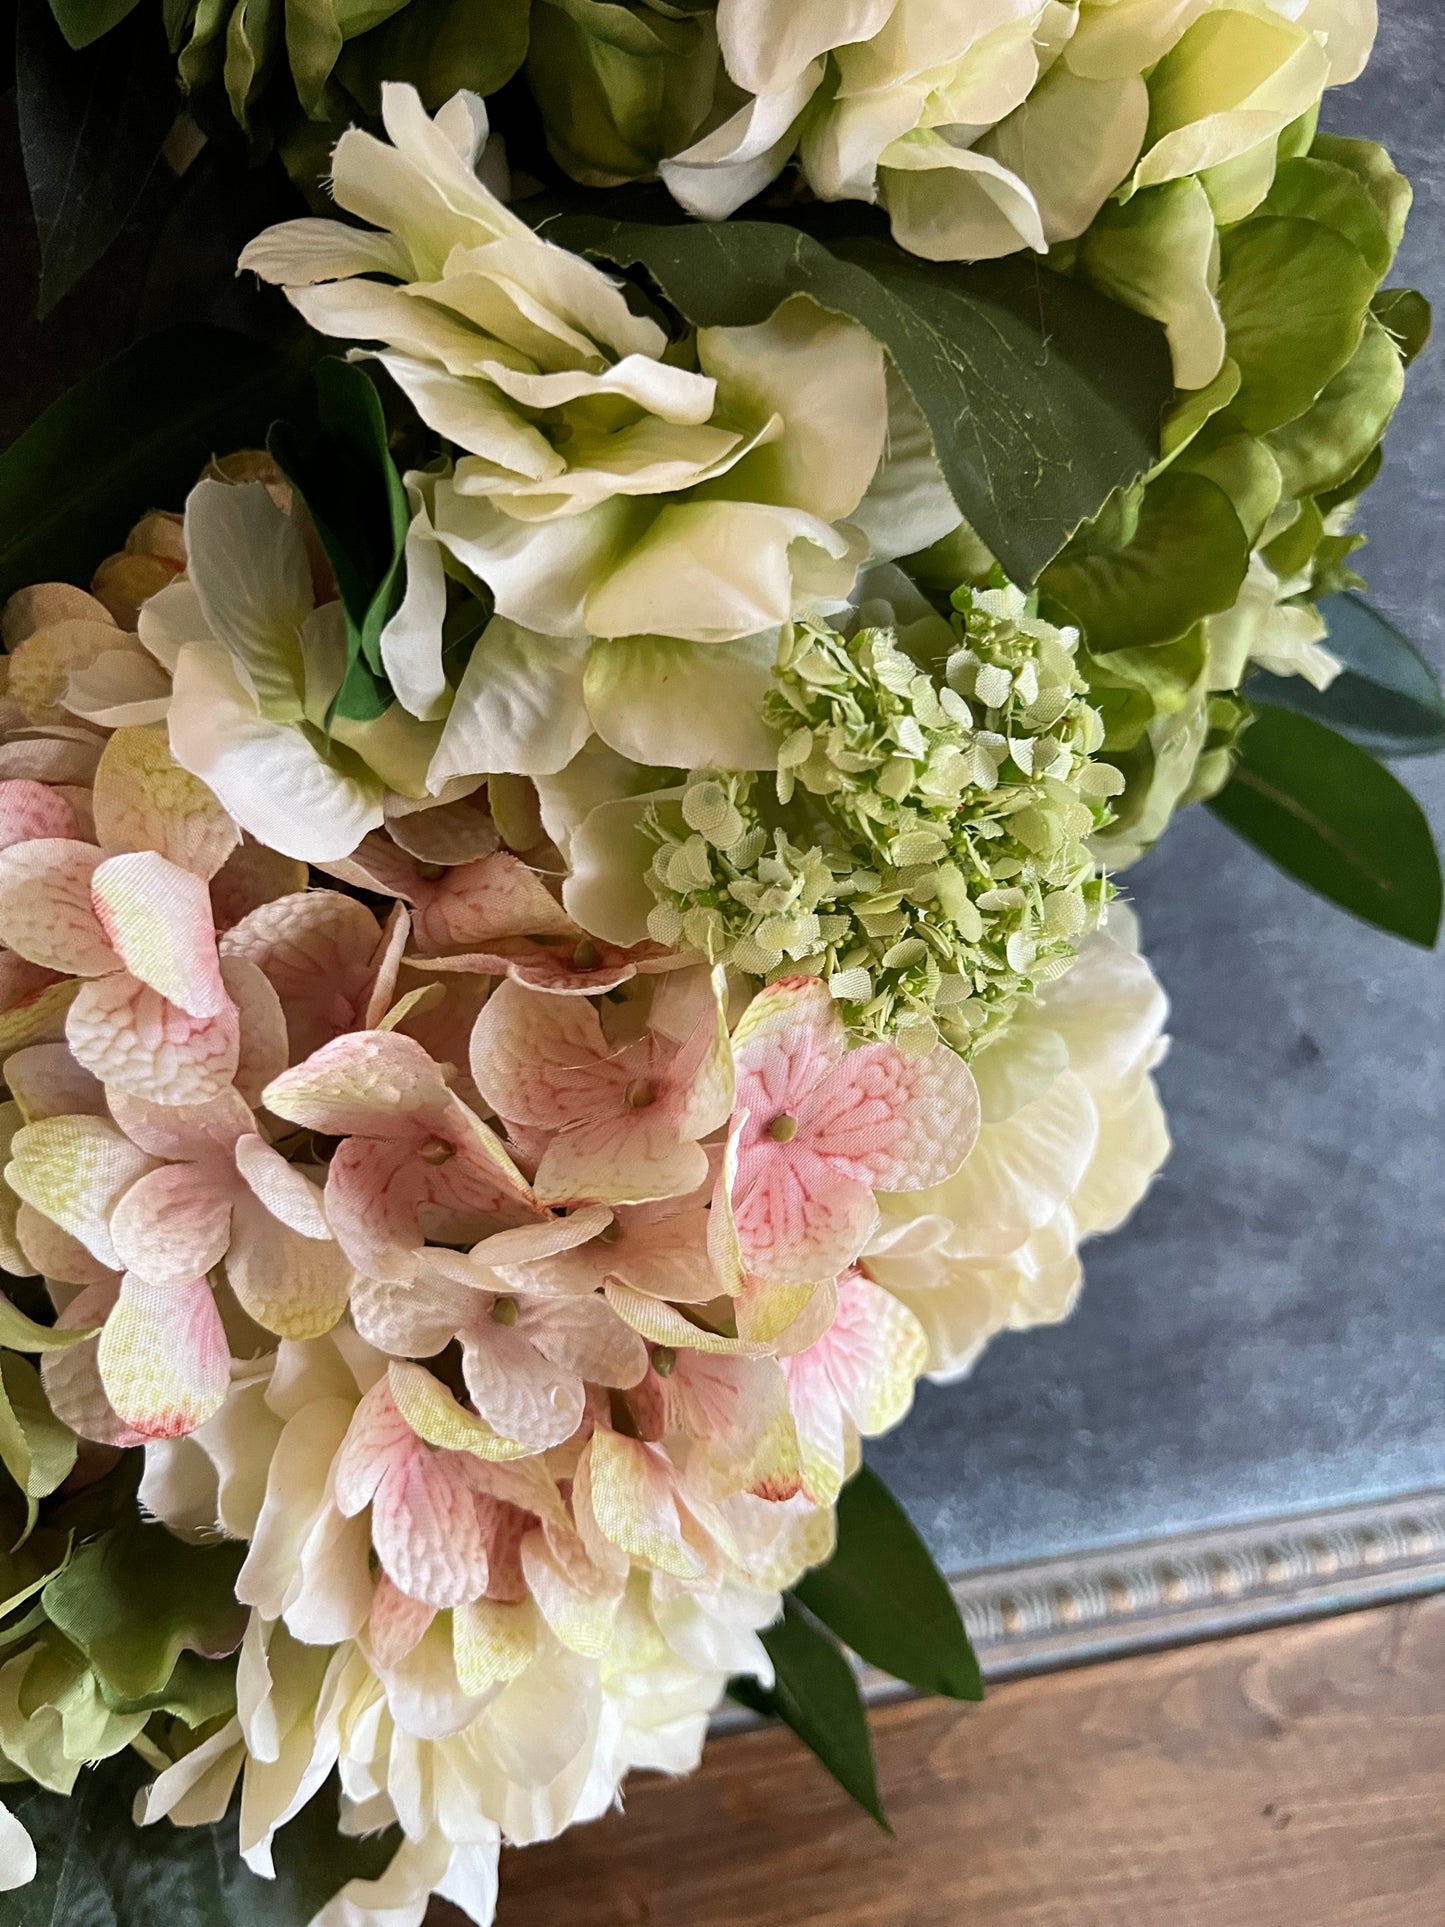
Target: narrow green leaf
(133, 436)
(134, 1600)
(98, 1869)
(816, 1694)
(83, 21)
(37, 1450)
(21, 1334)
(341, 466)
(91, 128)
(1388, 700)
(1337, 821)
(882, 1595)
(1042, 396)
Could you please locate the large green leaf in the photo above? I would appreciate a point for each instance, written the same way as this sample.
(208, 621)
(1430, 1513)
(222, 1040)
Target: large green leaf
(816, 1694)
(342, 468)
(882, 1595)
(1388, 700)
(1337, 821)
(1043, 397)
(97, 1869)
(91, 128)
(134, 1600)
(436, 45)
(83, 21)
(133, 436)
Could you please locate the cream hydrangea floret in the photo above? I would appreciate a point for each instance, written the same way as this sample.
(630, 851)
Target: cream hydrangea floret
(1006, 124)
(641, 509)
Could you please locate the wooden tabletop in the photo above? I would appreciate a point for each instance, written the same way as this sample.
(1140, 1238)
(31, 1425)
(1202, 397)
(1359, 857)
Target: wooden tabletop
(1292, 1778)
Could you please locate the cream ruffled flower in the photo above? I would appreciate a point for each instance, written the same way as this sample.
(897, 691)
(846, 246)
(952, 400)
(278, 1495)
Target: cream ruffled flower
(1072, 1135)
(643, 512)
(1007, 124)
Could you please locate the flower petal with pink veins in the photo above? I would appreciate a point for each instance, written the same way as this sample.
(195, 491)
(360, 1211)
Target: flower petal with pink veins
(46, 913)
(29, 811)
(544, 1061)
(574, 967)
(315, 949)
(822, 1434)
(130, 1036)
(385, 968)
(72, 1378)
(370, 1083)
(157, 917)
(519, 1393)
(74, 1171)
(435, 1416)
(261, 1051)
(497, 897)
(586, 1336)
(700, 1079)
(174, 1224)
(790, 1036)
(874, 1351)
(396, 1624)
(144, 800)
(164, 1361)
(664, 1257)
(577, 1599)
(55, 1254)
(425, 1528)
(287, 1193)
(529, 1242)
(294, 1286)
(632, 1499)
(444, 833)
(621, 1159)
(899, 1123)
(798, 1220)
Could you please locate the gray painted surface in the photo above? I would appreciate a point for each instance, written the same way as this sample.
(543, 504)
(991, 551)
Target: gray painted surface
(1268, 1335)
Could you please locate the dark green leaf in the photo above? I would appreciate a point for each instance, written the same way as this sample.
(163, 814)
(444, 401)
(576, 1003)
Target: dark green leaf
(97, 1869)
(1042, 396)
(37, 1450)
(816, 1694)
(1337, 821)
(91, 128)
(82, 21)
(1388, 700)
(882, 1595)
(136, 1599)
(133, 436)
(436, 45)
(341, 467)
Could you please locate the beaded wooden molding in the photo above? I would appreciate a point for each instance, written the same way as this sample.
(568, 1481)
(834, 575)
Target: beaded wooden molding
(1200, 1585)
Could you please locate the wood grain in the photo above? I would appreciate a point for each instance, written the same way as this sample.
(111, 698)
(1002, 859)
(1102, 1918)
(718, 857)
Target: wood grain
(1292, 1778)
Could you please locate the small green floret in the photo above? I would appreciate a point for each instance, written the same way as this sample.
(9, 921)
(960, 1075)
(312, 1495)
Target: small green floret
(923, 846)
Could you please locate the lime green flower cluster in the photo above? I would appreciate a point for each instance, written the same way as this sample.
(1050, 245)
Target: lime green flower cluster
(923, 845)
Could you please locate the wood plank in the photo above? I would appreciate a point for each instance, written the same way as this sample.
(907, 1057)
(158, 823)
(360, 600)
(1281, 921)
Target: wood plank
(1290, 1778)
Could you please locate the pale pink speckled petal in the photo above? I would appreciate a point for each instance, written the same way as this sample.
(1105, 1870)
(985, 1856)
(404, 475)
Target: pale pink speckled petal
(529, 1242)
(396, 1625)
(493, 1641)
(374, 1190)
(72, 1378)
(144, 800)
(250, 876)
(287, 1193)
(385, 967)
(425, 1528)
(296, 1287)
(497, 897)
(632, 1493)
(798, 1219)
(31, 810)
(74, 1171)
(184, 1131)
(698, 1084)
(46, 913)
(898, 1123)
(520, 1394)
(376, 1434)
(818, 1417)
(789, 1036)
(543, 1061)
(54, 1253)
(315, 948)
(873, 1352)
(370, 1084)
(585, 1336)
(577, 1598)
(130, 1036)
(175, 1224)
(164, 1361)
(157, 918)
(626, 1156)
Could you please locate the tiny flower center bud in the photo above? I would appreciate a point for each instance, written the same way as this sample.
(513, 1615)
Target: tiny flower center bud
(664, 1358)
(431, 871)
(783, 1128)
(640, 1094)
(585, 955)
(504, 1312)
(436, 1150)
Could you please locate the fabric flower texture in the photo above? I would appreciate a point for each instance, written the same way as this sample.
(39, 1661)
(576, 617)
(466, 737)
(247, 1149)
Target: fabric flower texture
(1006, 125)
(641, 510)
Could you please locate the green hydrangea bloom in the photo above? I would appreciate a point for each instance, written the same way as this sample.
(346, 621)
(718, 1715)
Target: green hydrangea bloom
(923, 845)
